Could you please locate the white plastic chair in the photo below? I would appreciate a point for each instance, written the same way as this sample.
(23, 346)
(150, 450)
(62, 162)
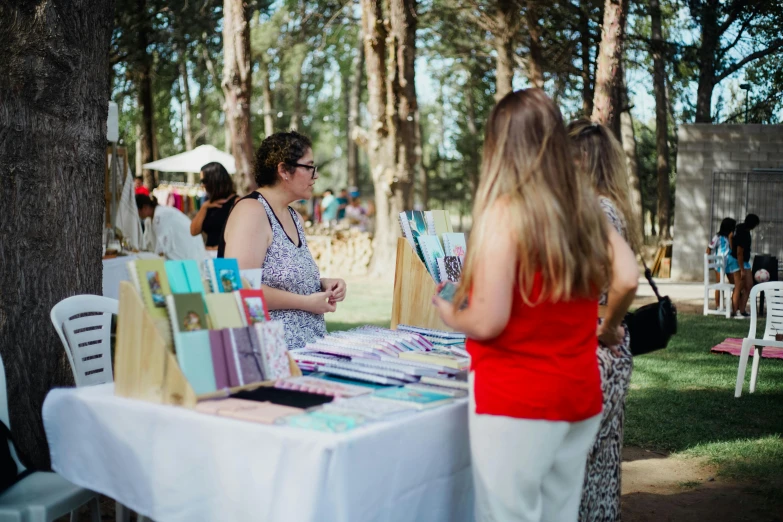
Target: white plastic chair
(717, 263)
(773, 291)
(40, 496)
(83, 323)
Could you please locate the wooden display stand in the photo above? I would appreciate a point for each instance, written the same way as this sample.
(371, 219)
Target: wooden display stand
(145, 366)
(413, 291)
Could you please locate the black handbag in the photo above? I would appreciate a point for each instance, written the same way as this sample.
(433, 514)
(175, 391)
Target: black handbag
(651, 326)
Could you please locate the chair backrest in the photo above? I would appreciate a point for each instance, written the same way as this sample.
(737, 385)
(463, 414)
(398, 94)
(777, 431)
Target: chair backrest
(715, 262)
(5, 417)
(773, 292)
(83, 323)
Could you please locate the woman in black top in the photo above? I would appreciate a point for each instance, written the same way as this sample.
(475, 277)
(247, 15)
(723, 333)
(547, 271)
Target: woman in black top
(212, 216)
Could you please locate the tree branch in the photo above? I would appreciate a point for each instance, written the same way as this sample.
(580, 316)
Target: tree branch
(772, 49)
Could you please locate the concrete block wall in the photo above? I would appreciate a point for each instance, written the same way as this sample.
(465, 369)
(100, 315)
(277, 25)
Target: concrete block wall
(703, 148)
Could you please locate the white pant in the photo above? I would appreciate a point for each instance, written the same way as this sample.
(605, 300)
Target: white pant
(528, 470)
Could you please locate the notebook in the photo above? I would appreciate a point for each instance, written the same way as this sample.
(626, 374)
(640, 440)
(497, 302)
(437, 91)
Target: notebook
(273, 349)
(321, 386)
(186, 312)
(360, 376)
(450, 268)
(449, 361)
(332, 422)
(454, 244)
(223, 311)
(451, 392)
(252, 276)
(447, 383)
(184, 277)
(253, 411)
(246, 355)
(355, 367)
(420, 399)
(252, 304)
(224, 275)
(219, 361)
(438, 222)
(149, 277)
(431, 250)
(370, 408)
(413, 225)
(297, 399)
(194, 356)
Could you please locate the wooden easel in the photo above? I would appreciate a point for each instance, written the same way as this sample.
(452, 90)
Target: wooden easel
(145, 367)
(413, 291)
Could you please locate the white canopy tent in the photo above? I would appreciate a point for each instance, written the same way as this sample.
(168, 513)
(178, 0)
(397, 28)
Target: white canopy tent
(193, 160)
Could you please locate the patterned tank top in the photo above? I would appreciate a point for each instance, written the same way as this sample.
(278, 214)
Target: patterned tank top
(291, 268)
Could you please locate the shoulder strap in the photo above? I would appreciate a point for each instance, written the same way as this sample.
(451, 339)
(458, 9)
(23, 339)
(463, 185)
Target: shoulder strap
(648, 276)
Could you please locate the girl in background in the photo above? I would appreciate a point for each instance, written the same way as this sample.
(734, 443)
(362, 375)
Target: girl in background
(721, 245)
(540, 253)
(212, 216)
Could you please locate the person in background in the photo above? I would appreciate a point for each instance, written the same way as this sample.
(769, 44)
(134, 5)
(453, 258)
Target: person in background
(212, 216)
(329, 207)
(169, 234)
(600, 159)
(342, 203)
(540, 252)
(138, 186)
(356, 214)
(738, 263)
(263, 231)
(721, 245)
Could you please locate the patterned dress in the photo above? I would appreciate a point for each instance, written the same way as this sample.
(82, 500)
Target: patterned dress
(601, 491)
(292, 268)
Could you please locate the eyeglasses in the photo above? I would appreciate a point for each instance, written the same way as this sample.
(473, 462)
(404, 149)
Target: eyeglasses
(314, 167)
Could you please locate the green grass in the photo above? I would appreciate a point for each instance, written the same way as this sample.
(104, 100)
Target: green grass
(681, 399)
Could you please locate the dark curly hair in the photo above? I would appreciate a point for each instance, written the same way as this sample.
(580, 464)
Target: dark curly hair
(281, 147)
(217, 181)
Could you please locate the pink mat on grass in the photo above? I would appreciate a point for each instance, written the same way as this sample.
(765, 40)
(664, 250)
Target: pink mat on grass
(734, 347)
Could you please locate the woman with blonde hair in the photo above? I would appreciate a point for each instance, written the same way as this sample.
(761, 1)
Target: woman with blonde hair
(600, 159)
(540, 252)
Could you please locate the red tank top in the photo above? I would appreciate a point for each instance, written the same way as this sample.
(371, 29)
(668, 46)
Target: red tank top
(543, 365)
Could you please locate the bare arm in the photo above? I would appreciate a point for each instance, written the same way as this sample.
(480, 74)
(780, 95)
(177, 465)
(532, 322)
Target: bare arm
(197, 224)
(625, 280)
(493, 286)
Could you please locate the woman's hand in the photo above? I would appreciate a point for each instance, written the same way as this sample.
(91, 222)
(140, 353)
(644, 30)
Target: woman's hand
(320, 303)
(336, 286)
(610, 337)
(445, 308)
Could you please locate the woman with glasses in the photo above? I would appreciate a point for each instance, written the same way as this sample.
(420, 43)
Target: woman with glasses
(212, 216)
(263, 231)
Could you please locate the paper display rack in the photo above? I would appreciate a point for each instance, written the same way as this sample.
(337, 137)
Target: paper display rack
(413, 291)
(145, 366)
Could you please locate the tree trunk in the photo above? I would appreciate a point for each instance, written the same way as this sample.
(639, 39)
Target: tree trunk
(403, 87)
(392, 98)
(187, 126)
(634, 182)
(608, 78)
(55, 95)
(506, 24)
(473, 160)
(266, 87)
(237, 87)
(710, 40)
(296, 115)
(661, 119)
(144, 80)
(354, 103)
(587, 73)
(535, 73)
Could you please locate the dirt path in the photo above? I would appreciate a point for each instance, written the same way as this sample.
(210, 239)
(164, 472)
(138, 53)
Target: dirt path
(659, 488)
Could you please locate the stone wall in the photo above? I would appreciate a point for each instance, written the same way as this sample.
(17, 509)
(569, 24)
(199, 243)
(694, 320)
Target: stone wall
(702, 149)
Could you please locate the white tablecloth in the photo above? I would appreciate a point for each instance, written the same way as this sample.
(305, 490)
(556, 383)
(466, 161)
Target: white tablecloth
(116, 270)
(174, 464)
